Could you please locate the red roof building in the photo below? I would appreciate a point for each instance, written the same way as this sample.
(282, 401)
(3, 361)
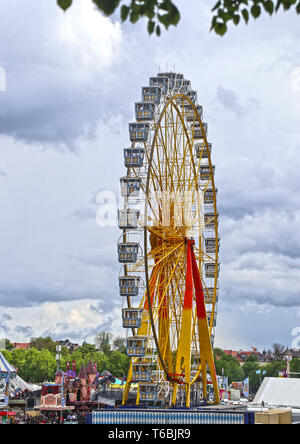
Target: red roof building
(20, 345)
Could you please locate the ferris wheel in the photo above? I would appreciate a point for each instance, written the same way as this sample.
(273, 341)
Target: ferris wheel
(169, 247)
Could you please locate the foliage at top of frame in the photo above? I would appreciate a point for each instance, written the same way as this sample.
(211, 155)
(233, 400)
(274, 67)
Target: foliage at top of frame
(226, 11)
(165, 13)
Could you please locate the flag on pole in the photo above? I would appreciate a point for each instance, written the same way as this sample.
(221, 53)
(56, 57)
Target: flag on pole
(246, 387)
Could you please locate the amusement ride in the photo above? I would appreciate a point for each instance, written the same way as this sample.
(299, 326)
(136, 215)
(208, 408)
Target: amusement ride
(169, 248)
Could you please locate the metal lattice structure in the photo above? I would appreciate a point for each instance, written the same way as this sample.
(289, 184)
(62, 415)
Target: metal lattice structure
(169, 247)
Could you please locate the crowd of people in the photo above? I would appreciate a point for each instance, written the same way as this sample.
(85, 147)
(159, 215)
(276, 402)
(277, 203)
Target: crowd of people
(55, 418)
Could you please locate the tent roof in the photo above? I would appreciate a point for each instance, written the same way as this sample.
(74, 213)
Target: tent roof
(279, 392)
(5, 367)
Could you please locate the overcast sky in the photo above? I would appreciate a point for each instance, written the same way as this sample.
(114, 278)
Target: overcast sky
(71, 83)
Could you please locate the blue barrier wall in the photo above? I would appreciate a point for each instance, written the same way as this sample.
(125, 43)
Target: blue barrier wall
(150, 416)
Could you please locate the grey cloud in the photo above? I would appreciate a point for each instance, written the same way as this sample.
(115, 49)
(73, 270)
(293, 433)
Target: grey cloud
(230, 100)
(24, 330)
(83, 215)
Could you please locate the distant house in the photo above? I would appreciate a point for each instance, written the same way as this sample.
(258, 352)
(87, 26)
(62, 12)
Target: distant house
(70, 345)
(291, 353)
(20, 345)
(243, 355)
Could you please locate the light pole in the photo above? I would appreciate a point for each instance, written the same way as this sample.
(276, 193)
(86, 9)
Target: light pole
(58, 356)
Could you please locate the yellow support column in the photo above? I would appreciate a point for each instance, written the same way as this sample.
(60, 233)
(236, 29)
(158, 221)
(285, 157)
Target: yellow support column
(206, 352)
(183, 357)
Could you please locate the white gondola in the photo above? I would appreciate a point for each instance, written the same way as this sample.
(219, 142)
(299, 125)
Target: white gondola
(179, 81)
(129, 285)
(132, 317)
(200, 111)
(148, 392)
(201, 150)
(134, 157)
(128, 219)
(192, 95)
(208, 315)
(198, 133)
(209, 294)
(128, 252)
(210, 268)
(151, 94)
(136, 346)
(130, 186)
(138, 132)
(211, 245)
(209, 196)
(171, 76)
(205, 172)
(186, 86)
(209, 220)
(144, 111)
(142, 371)
(161, 82)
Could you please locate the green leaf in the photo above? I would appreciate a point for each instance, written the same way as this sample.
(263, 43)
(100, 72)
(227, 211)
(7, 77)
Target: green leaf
(164, 19)
(255, 11)
(157, 30)
(298, 8)
(245, 14)
(64, 4)
(269, 6)
(107, 6)
(236, 19)
(279, 2)
(225, 16)
(217, 5)
(220, 28)
(150, 27)
(124, 13)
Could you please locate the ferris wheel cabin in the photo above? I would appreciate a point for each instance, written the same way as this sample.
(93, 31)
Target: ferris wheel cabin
(160, 82)
(129, 285)
(128, 252)
(171, 76)
(209, 196)
(209, 295)
(132, 317)
(209, 220)
(148, 392)
(134, 157)
(144, 111)
(130, 186)
(142, 371)
(210, 268)
(205, 172)
(136, 346)
(128, 219)
(201, 150)
(209, 315)
(138, 132)
(198, 134)
(211, 244)
(151, 94)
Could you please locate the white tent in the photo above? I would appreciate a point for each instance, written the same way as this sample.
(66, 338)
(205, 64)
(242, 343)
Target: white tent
(6, 368)
(18, 384)
(279, 392)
